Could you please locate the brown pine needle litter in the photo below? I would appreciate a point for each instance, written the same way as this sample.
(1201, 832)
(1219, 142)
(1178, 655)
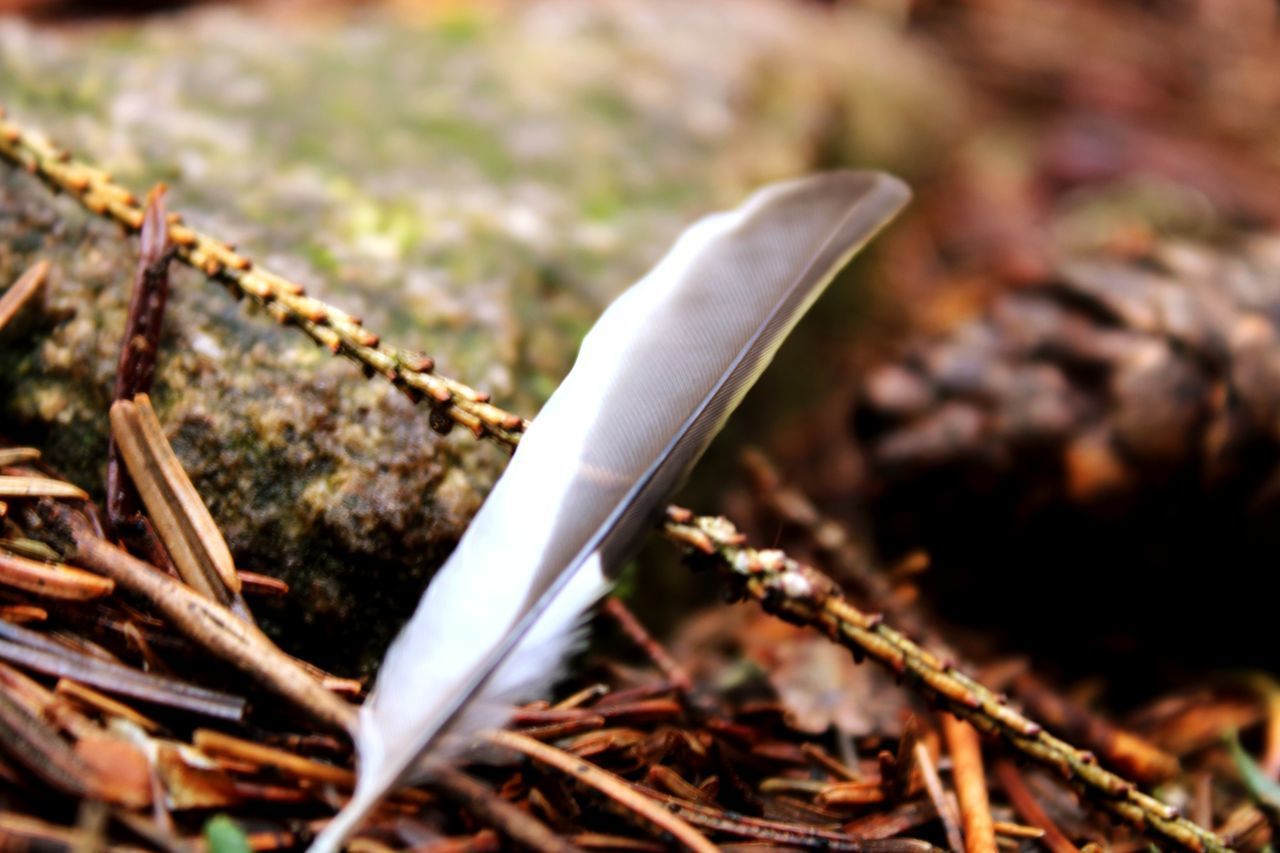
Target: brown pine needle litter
(971, 785)
(38, 487)
(17, 455)
(668, 770)
(1025, 802)
(51, 580)
(614, 787)
(204, 621)
(942, 804)
(609, 736)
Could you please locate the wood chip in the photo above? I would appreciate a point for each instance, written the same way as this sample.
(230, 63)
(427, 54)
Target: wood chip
(122, 771)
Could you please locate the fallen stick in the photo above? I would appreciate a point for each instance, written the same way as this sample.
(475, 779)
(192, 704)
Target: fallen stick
(804, 596)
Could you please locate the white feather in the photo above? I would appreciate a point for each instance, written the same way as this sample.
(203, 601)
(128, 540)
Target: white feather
(654, 378)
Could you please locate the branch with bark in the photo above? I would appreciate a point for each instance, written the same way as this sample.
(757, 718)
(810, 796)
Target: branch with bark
(802, 595)
(452, 402)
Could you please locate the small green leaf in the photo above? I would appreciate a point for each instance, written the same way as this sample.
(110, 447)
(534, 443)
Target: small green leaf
(223, 835)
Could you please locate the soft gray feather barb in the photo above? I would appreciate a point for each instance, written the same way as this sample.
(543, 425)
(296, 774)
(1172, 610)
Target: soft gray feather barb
(654, 381)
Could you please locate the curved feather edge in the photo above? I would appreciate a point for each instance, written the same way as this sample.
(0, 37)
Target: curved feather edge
(653, 382)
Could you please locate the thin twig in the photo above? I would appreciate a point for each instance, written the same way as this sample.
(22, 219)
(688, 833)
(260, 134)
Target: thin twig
(103, 704)
(608, 784)
(202, 620)
(52, 659)
(639, 635)
(804, 596)
(285, 300)
(1124, 751)
(835, 546)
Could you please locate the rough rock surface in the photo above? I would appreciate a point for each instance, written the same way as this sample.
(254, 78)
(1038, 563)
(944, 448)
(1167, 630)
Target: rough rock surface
(474, 183)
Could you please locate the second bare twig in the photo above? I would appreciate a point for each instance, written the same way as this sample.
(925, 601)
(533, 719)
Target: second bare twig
(804, 596)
